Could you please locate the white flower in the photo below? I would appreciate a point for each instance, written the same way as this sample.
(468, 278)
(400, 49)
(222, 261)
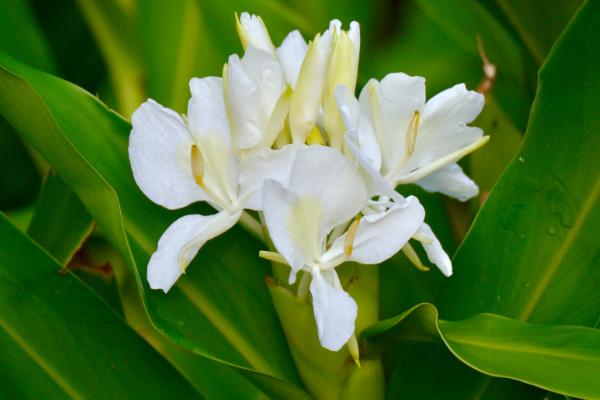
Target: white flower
(397, 138)
(408, 140)
(324, 191)
(177, 162)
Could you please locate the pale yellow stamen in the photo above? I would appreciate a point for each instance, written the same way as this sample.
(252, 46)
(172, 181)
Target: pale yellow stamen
(272, 256)
(413, 257)
(411, 134)
(351, 233)
(197, 166)
(353, 348)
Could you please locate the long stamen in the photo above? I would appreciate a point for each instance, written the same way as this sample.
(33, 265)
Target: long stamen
(351, 233)
(411, 134)
(413, 257)
(272, 256)
(197, 166)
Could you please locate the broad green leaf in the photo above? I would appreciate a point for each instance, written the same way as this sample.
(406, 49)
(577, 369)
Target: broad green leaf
(563, 359)
(221, 309)
(532, 253)
(60, 223)
(59, 340)
(545, 206)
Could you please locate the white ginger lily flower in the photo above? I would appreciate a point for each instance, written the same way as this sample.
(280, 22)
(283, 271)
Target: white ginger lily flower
(256, 98)
(408, 140)
(324, 191)
(176, 162)
(397, 138)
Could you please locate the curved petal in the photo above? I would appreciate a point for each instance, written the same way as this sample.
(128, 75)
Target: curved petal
(180, 244)
(267, 73)
(365, 135)
(451, 181)
(160, 155)
(335, 311)
(380, 236)
(245, 109)
(253, 32)
(291, 54)
(443, 127)
(206, 108)
(434, 250)
(267, 164)
(306, 100)
(293, 225)
(325, 175)
(390, 105)
(375, 183)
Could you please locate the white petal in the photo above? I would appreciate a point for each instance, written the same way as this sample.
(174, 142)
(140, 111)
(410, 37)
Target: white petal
(335, 311)
(451, 181)
(244, 103)
(443, 127)
(293, 225)
(160, 153)
(291, 54)
(390, 105)
(380, 236)
(206, 108)
(180, 244)
(253, 32)
(434, 250)
(308, 92)
(267, 164)
(208, 122)
(375, 183)
(325, 175)
(354, 34)
(365, 135)
(267, 73)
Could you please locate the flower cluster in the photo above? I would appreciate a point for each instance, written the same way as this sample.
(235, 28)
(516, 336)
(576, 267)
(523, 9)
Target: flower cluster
(282, 134)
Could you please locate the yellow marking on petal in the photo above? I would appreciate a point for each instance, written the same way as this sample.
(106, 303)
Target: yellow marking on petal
(410, 139)
(272, 256)
(413, 257)
(315, 137)
(197, 166)
(353, 348)
(351, 233)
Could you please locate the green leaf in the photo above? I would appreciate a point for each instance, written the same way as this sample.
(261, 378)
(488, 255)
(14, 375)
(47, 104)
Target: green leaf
(532, 253)
(221, 309)
(563, 359)
(545, 206)
(60, 223)
(90, 353)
